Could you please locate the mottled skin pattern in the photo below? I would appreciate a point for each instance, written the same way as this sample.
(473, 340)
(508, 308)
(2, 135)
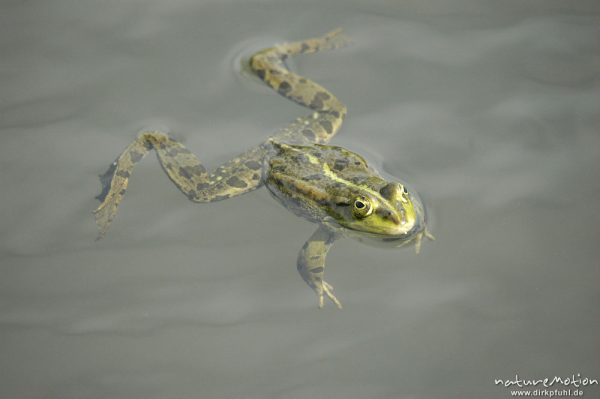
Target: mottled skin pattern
(328, 185)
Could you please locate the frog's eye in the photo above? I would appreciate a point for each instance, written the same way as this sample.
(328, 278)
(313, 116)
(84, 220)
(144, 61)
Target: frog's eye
(403, 193)
(362, 207)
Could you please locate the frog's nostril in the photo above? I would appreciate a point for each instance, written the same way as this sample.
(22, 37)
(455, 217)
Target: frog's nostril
(394, 218)
(389, 215)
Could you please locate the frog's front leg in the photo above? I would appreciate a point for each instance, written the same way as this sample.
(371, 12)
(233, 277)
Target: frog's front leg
(311, 263)
(235, 177)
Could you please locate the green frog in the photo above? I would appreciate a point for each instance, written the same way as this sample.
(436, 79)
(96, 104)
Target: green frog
(328, 185)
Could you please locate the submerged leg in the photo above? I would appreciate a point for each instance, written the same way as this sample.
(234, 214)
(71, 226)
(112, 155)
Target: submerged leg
(419, 238)
(269, 65)
(238, 176)
(311, 263)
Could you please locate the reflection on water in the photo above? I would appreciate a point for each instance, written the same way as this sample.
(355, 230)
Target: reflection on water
(490, 111)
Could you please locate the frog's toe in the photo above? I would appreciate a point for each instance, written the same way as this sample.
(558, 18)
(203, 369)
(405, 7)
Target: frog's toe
(335, 39)
(327, 289)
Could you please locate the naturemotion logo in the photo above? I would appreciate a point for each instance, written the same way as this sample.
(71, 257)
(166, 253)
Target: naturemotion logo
(557, 386)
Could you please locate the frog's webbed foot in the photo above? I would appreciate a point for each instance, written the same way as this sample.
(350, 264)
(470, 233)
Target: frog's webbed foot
(419, 239)
(238, 176)
(311, 264)
(330, 41)
(328, 289)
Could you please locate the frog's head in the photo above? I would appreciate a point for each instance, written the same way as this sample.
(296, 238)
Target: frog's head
(391, 214)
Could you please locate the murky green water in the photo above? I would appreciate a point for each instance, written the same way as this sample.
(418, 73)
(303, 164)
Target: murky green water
(490, 109)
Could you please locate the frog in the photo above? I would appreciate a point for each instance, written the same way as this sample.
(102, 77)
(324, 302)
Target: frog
(328, 185)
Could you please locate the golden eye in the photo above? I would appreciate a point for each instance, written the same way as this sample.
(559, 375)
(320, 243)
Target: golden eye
(362, 207)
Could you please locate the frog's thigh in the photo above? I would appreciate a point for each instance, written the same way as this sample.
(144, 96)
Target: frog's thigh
(318, 127)
(311, 263)
(235, 177)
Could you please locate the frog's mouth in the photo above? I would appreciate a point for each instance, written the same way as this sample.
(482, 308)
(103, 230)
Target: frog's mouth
(413, 237)
(398, 239)
(390, 239)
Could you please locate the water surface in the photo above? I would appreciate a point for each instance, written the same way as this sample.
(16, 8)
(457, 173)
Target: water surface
(489, 109)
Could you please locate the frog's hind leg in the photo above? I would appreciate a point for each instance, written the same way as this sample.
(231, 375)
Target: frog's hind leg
(235, 177)
(269, 65)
